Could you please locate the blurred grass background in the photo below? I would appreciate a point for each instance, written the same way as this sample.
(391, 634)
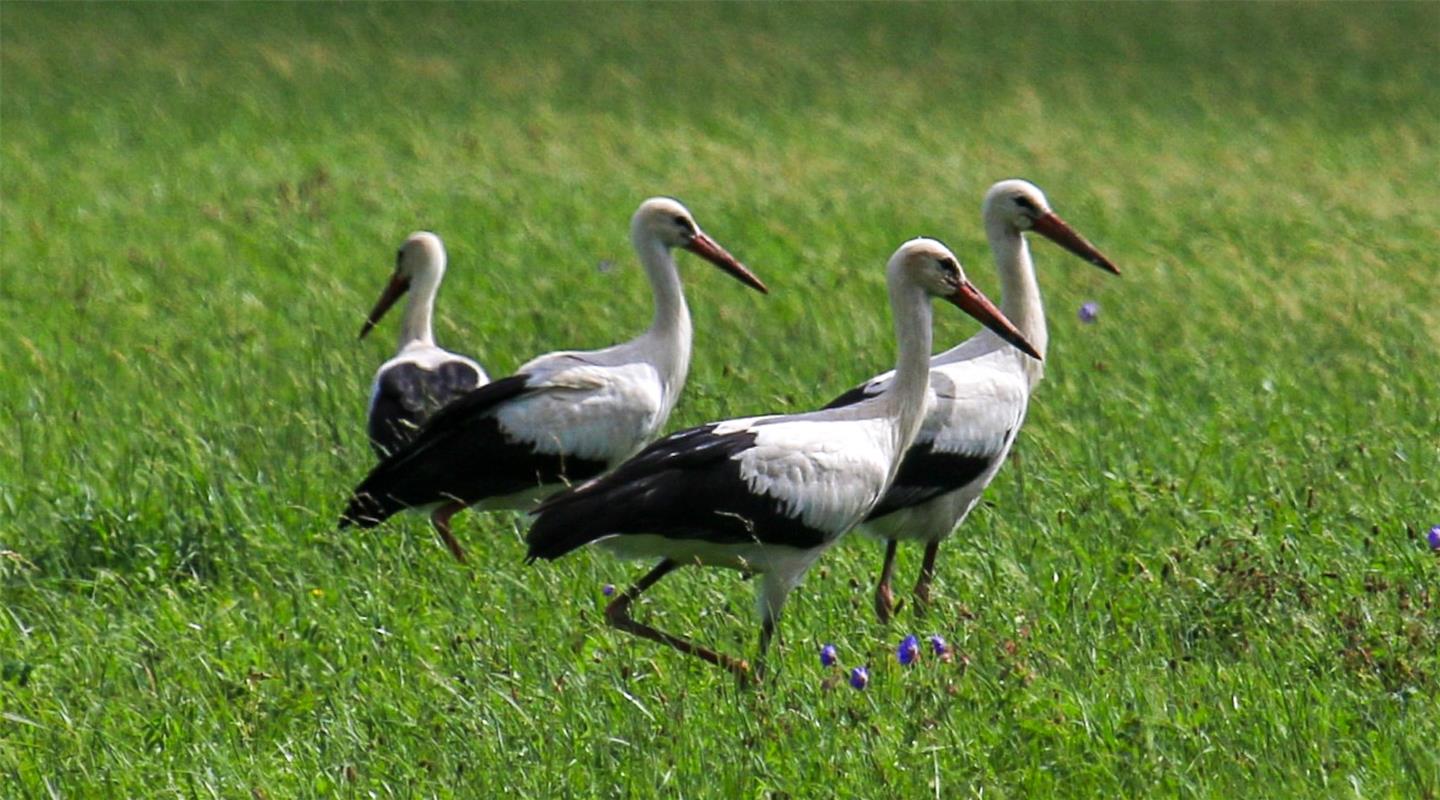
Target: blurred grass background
(1203, 573)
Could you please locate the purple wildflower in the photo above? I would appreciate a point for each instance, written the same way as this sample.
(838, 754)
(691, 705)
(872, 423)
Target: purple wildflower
(608, 590)
(828, 655)
(859, 677)
(908, 651)
(1089, 312)
(1434, 538)
(938, 645)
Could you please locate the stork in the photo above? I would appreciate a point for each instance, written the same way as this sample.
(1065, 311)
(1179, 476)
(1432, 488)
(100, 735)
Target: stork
(766, 495)
(978, 394)
(562, 417)
(422, 377)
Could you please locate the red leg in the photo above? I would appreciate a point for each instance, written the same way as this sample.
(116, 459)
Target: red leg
(618, 615)
(440, 518)
(884, 598)
(927, 574)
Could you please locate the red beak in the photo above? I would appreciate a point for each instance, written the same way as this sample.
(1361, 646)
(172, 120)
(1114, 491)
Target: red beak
(398, 286)
(710, 250)
(1056, 230)
(976, 304)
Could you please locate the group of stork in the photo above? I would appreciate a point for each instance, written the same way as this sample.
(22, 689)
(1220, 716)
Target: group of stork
(567, 438)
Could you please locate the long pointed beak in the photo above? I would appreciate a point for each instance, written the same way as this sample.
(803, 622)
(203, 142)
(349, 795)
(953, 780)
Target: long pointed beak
(976, 304)
(710, 250)
(1058, 231)
(399, 285)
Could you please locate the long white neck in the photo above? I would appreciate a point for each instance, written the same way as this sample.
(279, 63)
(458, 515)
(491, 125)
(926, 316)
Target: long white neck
(905, 400)
(415, 328)
(1020, 293)
(668, 338)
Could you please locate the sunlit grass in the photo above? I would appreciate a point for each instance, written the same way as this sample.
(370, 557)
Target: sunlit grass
(1203, 573)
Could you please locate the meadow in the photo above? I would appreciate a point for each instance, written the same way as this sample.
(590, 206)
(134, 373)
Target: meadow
(1203, 573)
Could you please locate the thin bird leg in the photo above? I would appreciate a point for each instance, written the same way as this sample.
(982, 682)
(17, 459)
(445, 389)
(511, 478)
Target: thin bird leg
(884, 598)
(927, 574)
(767, 630)
(618, 615)
(440, 518)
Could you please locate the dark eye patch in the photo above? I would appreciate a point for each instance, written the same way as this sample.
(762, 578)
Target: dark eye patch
(399, 256)
(684, 222)
(1026, 203)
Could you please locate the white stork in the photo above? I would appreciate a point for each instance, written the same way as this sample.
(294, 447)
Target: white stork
(766, 495)
(978, 394)
(562, 417)
(422, 377)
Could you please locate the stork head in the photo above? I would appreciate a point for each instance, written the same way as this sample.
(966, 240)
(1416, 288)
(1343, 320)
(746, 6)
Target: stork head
(1021, 206)
(422, 258)
(665, 221)
(931, 266)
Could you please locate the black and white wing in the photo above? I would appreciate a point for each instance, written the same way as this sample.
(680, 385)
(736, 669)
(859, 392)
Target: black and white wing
(970, 425)
(407, 394)
(779, 481)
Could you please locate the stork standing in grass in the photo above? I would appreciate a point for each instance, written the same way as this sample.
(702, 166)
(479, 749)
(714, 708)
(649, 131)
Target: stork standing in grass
(422, 377)
(978, 394)
(766, 495)
(561, 418)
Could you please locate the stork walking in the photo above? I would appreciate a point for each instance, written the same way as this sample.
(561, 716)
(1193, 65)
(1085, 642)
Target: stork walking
(422, 377)
(562, 417)
(978, 394)
(766, 495)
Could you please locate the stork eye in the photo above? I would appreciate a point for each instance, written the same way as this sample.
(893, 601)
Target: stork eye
(1025, 203)
(399, 256)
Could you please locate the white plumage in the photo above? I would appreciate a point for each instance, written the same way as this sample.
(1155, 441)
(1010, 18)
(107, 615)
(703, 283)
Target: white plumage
(770, 494)
(562, 417)
(422, 377)
(978, 395)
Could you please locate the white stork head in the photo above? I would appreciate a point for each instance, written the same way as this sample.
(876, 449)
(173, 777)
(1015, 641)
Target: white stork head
(665, 221)
(421, 259)
(1021, 206)
(929, 265)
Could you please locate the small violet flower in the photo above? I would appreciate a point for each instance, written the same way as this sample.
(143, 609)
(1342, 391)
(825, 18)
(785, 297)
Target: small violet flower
(828, 655)
(938, 645)
(1434, 538)
(859, 677)
(1089, 312)
(608, 590)
(909, 651)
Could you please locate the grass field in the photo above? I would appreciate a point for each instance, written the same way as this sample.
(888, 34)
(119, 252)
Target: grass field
(1204, 572)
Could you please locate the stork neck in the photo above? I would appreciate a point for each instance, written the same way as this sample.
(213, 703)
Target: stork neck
(672, 316)
(905, 401)
(1020, 293)
(670, 333)
(416, 327)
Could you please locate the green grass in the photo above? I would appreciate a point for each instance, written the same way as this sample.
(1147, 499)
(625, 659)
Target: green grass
(1203, 573)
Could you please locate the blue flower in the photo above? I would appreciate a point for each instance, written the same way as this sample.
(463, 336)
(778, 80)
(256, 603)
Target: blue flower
(828, 655)
(1434, 538)
(938, 645)
(859, 677)
(1089, 312)
(909, 651)
(608, 590)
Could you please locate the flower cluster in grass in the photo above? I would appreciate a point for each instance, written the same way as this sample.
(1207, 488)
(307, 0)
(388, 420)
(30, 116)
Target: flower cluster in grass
(908, 653)
(1434, 538)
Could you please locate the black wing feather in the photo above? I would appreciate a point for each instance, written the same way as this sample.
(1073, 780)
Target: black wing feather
(926, 473)
(685, 486)
(850, 398)
(460, 454)
(409, 395)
